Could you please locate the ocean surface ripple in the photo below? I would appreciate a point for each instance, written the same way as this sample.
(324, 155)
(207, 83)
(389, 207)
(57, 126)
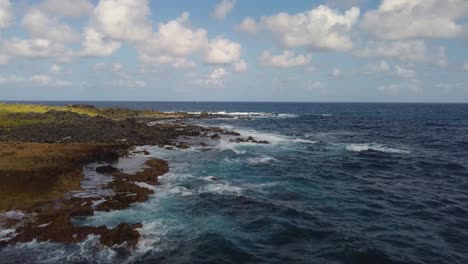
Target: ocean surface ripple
(339, 183)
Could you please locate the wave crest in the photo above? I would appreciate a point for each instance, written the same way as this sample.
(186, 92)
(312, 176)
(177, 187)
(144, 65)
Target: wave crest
(374, 147)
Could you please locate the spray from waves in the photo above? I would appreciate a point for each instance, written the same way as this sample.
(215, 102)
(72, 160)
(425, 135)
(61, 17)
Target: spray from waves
(305, 141)
(249, 114)
(261, 160)
(374, 147)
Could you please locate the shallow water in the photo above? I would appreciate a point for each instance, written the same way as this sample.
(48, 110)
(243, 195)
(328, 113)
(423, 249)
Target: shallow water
(339, 183)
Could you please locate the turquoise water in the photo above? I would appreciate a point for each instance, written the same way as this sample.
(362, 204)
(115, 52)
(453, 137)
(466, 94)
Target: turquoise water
(339, 183)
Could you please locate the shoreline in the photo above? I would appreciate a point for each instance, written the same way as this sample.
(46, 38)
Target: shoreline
(45, 148)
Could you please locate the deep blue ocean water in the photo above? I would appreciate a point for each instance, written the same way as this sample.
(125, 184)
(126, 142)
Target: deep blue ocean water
(339, 183)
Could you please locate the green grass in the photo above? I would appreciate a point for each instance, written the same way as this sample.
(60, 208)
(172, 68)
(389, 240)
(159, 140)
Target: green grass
(11, 115)
(14, 115)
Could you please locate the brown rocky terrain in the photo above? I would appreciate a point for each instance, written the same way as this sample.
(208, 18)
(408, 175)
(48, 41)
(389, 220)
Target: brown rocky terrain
(42, 155)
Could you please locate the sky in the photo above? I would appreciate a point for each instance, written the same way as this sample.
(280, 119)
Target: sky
(234, 50)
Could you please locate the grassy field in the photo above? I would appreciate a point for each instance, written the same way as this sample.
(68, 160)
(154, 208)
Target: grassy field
(14, 115)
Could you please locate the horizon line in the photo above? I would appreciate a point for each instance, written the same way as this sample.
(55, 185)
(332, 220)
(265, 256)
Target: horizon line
(202, 101)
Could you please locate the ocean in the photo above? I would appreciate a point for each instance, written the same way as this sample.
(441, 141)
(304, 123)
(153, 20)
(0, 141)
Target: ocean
(339, 183)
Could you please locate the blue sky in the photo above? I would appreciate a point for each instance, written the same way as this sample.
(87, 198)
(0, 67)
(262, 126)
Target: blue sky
(235, 50)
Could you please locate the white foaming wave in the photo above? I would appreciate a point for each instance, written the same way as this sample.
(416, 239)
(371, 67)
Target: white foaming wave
(374, 147)
(221, 188)
(261, 160)
(270, 137)
(4, 234)
(305, 141)
(226, 145)
(249, 114)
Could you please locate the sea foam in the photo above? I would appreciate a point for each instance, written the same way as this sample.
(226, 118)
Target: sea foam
(374, 147)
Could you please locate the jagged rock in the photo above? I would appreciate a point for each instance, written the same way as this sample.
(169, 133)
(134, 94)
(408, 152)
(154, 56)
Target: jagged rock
(123, 233)
(215, 137)
(183, 145)
(106, 169)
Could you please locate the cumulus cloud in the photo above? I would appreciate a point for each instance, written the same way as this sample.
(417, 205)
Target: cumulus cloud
(67, 8)
(41, 25)
(223, 9)
(413, 50)
(223, 51)
(404, 72)
(442, 57)
(214, 78)
(175, 38)
(315, 86)
(248, 25)
(409, 19)
(286, 59)
(4, 59)
(129, 83)
(34, 80)
(175, 62)
(414, 86)
(55, 69)
(122, 19)
(240, 66)
(336, 72)
(96, 44)
(36, 48)
(5, 13)
(378, 67)
(320, 28)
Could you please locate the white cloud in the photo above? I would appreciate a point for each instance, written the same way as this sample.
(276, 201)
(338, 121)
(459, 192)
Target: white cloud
(67, 8)
(96, 44)
(117, 67)
(35, 80)
(175, 38)
(409, 19)
(378, 67)
(315, 86)
(183, 63)
(336, 73)
(128, 83)
(4, 59)
(465, 66)
(40, 25)
(285, 60)
(223, 51)
(36, 48)
(345, 3)
(223, 9)
(414, 86)
(122, 19)
(442, 57)
(175, 62)
(320, 28)
(240, 66)
(215, 78)
(414, 50)
(55, 69)
(5, 13)
(248, 25)
(404, 72)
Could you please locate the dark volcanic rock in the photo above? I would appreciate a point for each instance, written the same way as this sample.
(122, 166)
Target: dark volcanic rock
(123, 233)
(215, 137)
(106, 169)
(183, 145)
(76, 128)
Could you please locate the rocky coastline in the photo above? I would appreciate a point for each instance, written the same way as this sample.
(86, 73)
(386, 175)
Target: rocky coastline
(43, 152)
